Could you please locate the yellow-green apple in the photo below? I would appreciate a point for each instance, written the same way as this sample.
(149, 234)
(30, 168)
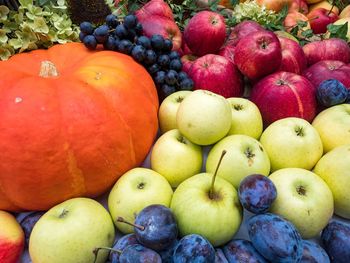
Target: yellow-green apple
(204, 117)
(275, 5)
(289, 95)
(205, 33)
(333, 125)
(345, 12)
(326, 5)
(246, 118)
(293, 57)
(136, 189)
(343, 21)
(304, 199)
(328, 69)
(334, 169)
(71, 231)
(320, 18)
(216, 214)
(216, 74)
(258, 54)
(168, 110)
(292, 19)
(187, 62)
(292, 142)
(245, 156)
(11, 238)
(175, 157)
(242, 29)
(328, 49)
(299, 6)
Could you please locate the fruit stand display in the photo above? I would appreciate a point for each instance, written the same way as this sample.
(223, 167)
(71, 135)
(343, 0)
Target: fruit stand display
(174, 131)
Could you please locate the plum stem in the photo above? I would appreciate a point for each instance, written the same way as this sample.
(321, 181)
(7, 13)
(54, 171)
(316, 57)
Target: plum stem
(97, 249)
(211, 192)
(122, 220)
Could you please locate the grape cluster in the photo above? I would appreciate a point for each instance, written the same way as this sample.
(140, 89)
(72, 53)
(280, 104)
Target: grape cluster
(154, 53)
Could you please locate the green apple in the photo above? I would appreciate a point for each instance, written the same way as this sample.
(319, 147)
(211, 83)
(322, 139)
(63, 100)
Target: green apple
(334, 169)
(246, 118)
(168, 110)
(215, 216)
(333, 125)
(70, 231)
(136, 189)
(204, 117)
(175, 157)
(302, 198)
(245, 156)
(292, 142)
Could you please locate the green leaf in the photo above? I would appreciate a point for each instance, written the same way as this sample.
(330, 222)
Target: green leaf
(3, 36)
(25, 3)
(4, 11)
(5, 53)
(338, 31)
(40, 25)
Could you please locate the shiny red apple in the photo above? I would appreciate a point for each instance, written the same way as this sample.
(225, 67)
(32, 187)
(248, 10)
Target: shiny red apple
(328, 69)
(187, 62)
(298, 6)
(155, 8)
(205, 33)
(293, 57)
(284, 94)
(320, 18)
(328, 49)
(258, 54)
(217, 74)
(241, 30)
(228, 51)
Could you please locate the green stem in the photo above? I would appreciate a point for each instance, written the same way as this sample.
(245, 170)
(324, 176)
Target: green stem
(211, 193)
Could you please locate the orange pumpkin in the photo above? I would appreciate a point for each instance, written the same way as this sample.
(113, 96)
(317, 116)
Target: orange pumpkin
(71, 122)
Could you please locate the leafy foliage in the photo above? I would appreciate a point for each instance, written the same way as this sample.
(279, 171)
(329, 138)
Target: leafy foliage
(338, 31)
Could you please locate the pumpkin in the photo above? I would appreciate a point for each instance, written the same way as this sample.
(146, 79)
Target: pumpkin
(71, 122)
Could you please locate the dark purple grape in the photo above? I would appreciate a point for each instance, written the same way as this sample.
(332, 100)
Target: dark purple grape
(175, 64)
(275, 238)
(121, 31)
(194, 248)
(28, 222)
(130, 21)
(121, 244)
(186, 84)
(139, 254)
(160, 78)
(348, 98)
(168, 45)
(163, 61)
(160, 228)
(174, 55)
(154, 68)
(157, 42)
(151, 57)
(110, 43)
(82, 35)
(240, 250)
(256, 193)
(313, 253)
(167, 254)
(87, 28)
(125, 46)
(131, 35)
(101, 33)
(139, 29)
(220, 256)
(165, 91)
(138, 53)
(171, 77)
(331, 92)
(144, 41)
(182, 75)
(90, 42)
(112, 21)
(336, 239)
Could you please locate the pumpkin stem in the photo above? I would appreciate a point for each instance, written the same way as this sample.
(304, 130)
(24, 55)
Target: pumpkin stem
(48, 69)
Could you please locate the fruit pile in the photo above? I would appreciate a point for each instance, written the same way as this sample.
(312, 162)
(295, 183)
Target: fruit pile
(251, 162)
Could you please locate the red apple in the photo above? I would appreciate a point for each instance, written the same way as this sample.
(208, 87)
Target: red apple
(293, 57)
(184, 48)
(241, 30)
(328, 69)
(217, 74)
(228, 51)
(292, 19)
(284, 94)
(275, 5)
(205, 33)
(320, 18)
(11, 238)
(258, 54)
(328, 49)
(155, 8)
(187, 62)
(298, 6)
(162, 26)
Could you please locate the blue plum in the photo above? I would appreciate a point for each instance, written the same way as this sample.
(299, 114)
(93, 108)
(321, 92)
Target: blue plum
(120, 245)
(256, 193)
(159, 229)
(336, 239)
(240, 250)
(220, 256)
(194, 249)
(275, 238)
(167, 254)
(313, 253)
(28, 222)
(331, 92)
(139, 254)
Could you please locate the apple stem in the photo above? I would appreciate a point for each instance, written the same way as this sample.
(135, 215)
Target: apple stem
(97, 249)
(211, 193)
(122, 220)
(330, 10)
